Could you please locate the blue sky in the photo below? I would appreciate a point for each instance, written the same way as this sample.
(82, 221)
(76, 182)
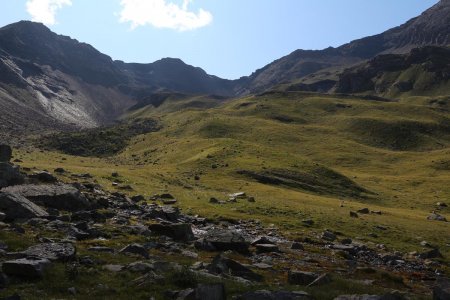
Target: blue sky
(227, 38)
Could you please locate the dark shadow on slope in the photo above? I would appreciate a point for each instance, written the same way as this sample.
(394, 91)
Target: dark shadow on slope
(319, 180)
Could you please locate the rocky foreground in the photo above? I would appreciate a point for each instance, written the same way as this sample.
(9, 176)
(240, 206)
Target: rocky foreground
(79, 226)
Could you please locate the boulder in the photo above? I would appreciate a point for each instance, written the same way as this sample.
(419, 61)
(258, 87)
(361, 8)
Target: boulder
(276, 295)
(15, 207)
(226, 266)
(59, 196)
(301, 278)
(178, 232)
(52, 251)
(43, 176)
(223, 240)
(135, 249)
(26, 267)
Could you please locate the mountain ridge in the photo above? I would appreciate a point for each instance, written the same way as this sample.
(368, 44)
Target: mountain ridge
(71, 84)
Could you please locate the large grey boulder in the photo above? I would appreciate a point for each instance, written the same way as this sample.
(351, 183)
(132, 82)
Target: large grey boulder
(178, 232)
(17, 207)
(52, 251)
(223, 240)
(26, 267)
(59, 196)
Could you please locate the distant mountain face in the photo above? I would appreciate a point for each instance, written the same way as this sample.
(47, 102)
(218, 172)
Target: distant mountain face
(430, 28)
(422, 71)
(56, 82)
(49, 81)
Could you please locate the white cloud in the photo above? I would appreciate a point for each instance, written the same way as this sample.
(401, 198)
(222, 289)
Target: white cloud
(163, 14)
(44, 11)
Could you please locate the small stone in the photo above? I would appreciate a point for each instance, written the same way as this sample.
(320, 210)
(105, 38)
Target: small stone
(297, 246)
(137, 198)
(436, 217)
(72, 291)
(308, 222)
(251, 199)
(101, 249)
(328, 236)
(364, 211)
(213, 200)
(353, 214)
(113, 268)
(135, 249)
(301, 278)
(266, 248)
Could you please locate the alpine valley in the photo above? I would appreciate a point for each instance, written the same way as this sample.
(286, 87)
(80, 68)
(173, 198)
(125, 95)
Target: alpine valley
(323, 175)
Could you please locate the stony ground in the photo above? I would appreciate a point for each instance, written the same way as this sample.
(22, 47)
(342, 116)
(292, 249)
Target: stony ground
(78, 241)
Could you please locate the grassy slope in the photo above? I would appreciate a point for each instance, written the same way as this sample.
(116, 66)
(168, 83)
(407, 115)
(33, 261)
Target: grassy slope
(300, 133)
(293, 132)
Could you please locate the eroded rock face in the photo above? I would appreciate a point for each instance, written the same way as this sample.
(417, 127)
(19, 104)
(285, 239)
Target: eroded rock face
(17, 207)
(59, 196)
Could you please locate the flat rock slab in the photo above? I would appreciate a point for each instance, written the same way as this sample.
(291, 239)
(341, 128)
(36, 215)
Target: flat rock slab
(52, 251)
(15, 206)
(59, 196)
(26, 267)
